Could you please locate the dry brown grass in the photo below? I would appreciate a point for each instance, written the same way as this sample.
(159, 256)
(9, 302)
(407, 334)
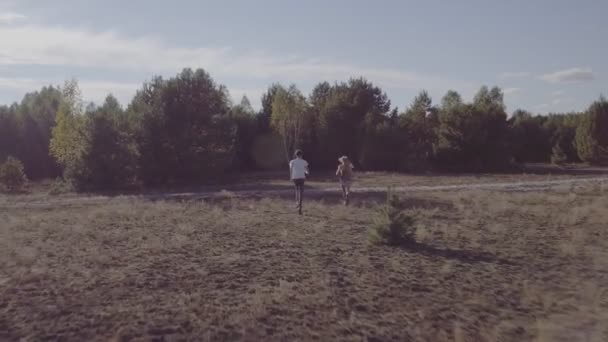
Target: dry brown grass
(489, 266)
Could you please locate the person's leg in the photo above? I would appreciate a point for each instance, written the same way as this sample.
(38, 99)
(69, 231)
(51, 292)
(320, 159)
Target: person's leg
(300, 195)
(297, 192)
(298, 185)
(343, 187)
(347, 193)
(345, 184)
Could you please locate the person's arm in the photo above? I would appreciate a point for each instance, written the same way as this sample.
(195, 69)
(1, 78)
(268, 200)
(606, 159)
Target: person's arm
(306, 168)
(338, 170)
(290, 170)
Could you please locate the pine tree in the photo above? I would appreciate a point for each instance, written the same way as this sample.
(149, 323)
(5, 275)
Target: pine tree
(558, 156)
(12, 175)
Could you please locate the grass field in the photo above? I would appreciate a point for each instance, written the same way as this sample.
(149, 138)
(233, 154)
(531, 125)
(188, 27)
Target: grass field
(488, 266)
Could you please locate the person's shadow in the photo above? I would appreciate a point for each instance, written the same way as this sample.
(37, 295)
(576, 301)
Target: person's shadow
(465, 256)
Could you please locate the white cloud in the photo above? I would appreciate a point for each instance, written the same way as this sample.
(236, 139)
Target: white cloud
(253, 94)
(21, 84)
(10, 17)
(557, 93)
(560, 100)
(511, 75)
(97, 91)
(56, 46)
(512, 91)
(542, 106)
(573, 75)
(556, 104)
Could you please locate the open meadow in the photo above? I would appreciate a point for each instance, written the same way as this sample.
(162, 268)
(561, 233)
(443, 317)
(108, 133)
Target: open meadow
(487, 266)
(452, 158)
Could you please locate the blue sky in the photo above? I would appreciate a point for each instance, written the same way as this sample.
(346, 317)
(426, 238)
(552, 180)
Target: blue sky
(547, 55)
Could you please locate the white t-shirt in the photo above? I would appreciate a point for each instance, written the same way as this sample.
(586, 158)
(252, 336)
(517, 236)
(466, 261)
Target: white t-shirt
(298, 168)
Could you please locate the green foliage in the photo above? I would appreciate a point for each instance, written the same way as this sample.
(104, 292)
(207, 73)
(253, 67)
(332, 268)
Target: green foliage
(265, 114)
(452, 99)
(558, 156)
(421, 104)
(184, 129)
(247, 129)
(9, 132)
(37, 113)
(592, 134)
(267, 151)
(94, 149)
(383, 147)
(529, 139)
(25, 131)
(533, 138)
(111, 153)
(473, 137)
(562, 130)
(290, 118)
(420, 124)
(12, 175)
(68, 142)
(392, 226)
(60, 186)
(346, 118)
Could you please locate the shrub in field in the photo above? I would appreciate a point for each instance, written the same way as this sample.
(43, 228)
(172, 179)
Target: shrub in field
(60, 186)
(392, 226)
(12, 176)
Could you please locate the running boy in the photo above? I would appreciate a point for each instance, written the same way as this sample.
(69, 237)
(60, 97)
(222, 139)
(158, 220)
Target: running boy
(298, 169)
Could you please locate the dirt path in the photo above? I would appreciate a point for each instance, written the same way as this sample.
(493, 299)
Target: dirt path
(504, 186)
(508, 186)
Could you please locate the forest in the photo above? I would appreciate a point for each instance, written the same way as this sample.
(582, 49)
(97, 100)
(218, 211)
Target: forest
(185, 129)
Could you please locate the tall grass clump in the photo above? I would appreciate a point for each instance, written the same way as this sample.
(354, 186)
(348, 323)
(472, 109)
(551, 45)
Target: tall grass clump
(391, 225)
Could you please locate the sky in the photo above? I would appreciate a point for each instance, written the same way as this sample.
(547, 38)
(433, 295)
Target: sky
(546, 55)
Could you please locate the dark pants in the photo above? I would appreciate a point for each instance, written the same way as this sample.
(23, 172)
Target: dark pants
(299, 184)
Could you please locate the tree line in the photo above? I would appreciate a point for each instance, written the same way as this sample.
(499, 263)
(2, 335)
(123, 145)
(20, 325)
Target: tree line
(185, 129)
